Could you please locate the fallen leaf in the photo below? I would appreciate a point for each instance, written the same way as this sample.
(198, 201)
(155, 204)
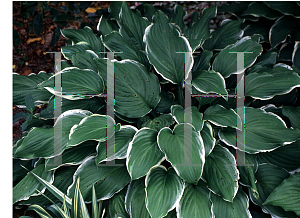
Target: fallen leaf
(92, 10)
(33, 40)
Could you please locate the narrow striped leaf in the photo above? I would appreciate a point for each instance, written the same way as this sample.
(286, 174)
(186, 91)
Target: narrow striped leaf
(28, 186)
(40, 211)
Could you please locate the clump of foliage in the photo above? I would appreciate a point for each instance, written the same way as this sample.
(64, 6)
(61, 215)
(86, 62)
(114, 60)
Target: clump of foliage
(149, 176)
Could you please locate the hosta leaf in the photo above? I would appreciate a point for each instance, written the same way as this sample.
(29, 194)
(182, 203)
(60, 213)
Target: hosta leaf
(235, 8)
(116, 205)
(177, 17)
(226, 64)
(202, 62)
(84, 60)
(261, 10)
(268, 178)
(209, 82)
(165, 103)
(238, 208)
(114, 9)
(39, 142)
(84, 35)
(293, 113)
(28, 186)
(91, 104)
(149, 11)
(137, 92)
(73, 83)
(259, 27)
(63, 178)
(135, 199)
(38, 24)
(199, 30)
(172, 143)
(143, 153)
(228, 33)
(171, 214)
(287, 8)
(221, 173)
(221, 116)
(163, 191)
(264, 86)
(287, 194)
(163, 42)
(283, 27)
(132, 27)
(122, 140)
(117, 43)
(159, 122)
(27, 85)
(195, 201)
(74, 155)
(208, 138)
(196, 118)
(107, 179)
(263, 132)
(103, 26)
(70, 50)
(296, 55)
(91, 128)
(286, 157)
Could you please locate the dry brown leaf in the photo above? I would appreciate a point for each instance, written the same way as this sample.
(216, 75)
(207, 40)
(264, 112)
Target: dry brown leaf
(33, 40)
(92, 10)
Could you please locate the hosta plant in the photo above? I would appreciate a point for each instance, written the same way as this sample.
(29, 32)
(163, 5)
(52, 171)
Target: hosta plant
(163, 163)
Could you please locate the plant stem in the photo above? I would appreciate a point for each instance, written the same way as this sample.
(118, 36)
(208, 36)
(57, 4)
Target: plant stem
(180, 94)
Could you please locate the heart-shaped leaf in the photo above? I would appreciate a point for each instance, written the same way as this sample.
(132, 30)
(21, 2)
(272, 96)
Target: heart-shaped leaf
(195, 201)
(220, 116)
(287, 194)
(164, 189)
(185, 154)
(226, 64)
(221, 173)
(178, 114)
(143, 153)
(159, 122)
(84, 60)
(163, 42)
(258, 9)
(91, 128)
(107, 179)
(263, 132)
(135, 199)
